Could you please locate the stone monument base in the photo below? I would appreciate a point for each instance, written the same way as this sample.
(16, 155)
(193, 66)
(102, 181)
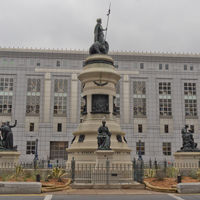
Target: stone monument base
(103, 157)
(106, 170)
(187, 160)
(9, 159)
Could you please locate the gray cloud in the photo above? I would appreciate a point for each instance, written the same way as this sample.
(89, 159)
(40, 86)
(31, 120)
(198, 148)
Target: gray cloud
(140, 25)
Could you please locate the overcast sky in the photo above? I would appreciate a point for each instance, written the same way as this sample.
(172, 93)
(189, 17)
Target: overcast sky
(135, 25)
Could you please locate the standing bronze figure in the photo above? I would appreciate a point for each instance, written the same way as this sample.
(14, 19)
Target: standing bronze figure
(7, 136)
(100, 45)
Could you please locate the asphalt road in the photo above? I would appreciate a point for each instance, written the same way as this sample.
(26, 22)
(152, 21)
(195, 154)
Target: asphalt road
(104, 197)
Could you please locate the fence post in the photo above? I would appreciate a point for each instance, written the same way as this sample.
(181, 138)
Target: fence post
(140, 174)
(165, 165)
(156, 164)
(150, 163)
(73, 169)
(107, 171)
(134, 170)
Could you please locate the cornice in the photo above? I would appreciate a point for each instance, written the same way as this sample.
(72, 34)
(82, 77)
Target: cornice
(117, 55)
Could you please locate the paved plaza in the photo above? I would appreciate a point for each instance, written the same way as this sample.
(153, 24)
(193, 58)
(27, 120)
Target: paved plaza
(146, 196)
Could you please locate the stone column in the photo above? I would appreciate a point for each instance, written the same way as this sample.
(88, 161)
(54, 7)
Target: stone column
(47, 97)
(74, 98)
(126, 99)
(178, 106)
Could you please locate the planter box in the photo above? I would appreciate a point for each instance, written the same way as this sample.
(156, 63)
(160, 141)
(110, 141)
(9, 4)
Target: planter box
(20, 187)
(188, 188)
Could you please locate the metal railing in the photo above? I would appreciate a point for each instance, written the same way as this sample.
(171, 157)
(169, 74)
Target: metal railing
(101, 173)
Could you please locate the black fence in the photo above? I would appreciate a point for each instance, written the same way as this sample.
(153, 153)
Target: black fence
(39, 164)
(117, 173)
(106, 173)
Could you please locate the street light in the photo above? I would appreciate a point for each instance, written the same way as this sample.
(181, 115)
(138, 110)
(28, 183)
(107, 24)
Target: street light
(36, 154)
(140, 152)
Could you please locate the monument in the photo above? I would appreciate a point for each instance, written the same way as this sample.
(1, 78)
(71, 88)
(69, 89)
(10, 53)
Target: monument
(9, 156)
(94, 145)
(189, 155)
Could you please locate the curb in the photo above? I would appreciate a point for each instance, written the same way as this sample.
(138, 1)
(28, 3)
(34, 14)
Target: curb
(55, 188)
(159, 189)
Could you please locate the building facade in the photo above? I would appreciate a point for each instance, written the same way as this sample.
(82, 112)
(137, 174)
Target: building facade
(156, 96)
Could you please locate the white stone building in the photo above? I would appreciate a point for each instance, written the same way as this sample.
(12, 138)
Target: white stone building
(157, 95)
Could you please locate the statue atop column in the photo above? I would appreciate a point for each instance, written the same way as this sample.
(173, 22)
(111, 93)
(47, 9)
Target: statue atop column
(188, 141)
(6, 139)
(103, 138)
(100, 45)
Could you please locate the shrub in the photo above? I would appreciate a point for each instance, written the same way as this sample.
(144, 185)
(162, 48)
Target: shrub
(172, 172)
(57, 173)
(19, 171)
(193, 174)
(198, 174)
(150, 173)
(160, 174)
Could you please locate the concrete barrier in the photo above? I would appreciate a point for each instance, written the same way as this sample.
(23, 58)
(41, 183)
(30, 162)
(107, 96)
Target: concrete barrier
(188, 188)
(20, 187)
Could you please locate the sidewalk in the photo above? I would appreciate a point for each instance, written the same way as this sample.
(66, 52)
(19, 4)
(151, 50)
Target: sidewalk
(103, 192)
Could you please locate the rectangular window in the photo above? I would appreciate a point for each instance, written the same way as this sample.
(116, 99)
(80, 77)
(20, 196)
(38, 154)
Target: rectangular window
(192, 128)
(33, 97)
(57, 63)
(6, 95)
(141, 65)
(167, 148)
(164, 88)
(140, 146)
(166, 66)
(59, 127)
(58, 150)
(165, 107)
(140, 128)
(30, 147)
(165, 102)
(185, 67)
(160, 66)
(60, 97)
(38, 64)
(166, 128)
(139, 98)
(191, 68)
(190, 99)
(190, 89)
(31, 127)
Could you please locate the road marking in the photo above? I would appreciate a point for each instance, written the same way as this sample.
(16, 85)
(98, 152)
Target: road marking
(48, 197)
(175, 197)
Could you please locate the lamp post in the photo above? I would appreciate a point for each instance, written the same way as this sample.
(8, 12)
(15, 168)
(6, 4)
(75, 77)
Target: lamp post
(140, 165)
(140, 152)
(36, 154)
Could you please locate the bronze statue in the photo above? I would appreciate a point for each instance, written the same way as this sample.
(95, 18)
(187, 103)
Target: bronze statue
(7, 136)
(100, 45)
(98, 32)
(188, 141)
(103, 137)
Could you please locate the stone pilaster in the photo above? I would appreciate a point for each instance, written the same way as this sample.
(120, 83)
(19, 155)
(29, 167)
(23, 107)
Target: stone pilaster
(47, 97)
(74, 98)
(126, 99)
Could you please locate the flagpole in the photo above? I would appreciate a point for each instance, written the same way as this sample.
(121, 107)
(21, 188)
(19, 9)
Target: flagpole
(108, 14)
